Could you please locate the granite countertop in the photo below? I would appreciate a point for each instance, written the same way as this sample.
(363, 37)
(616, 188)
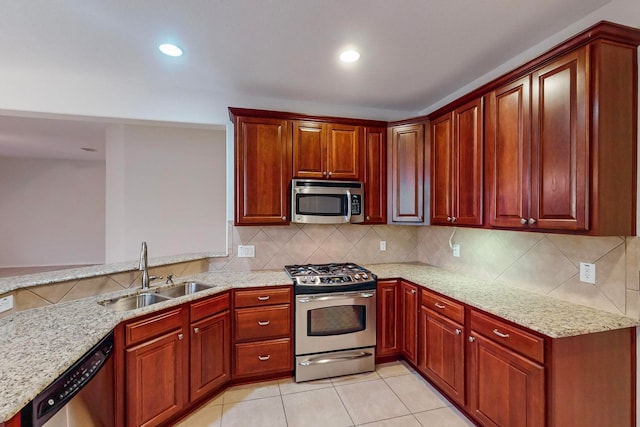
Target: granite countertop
(48, 340)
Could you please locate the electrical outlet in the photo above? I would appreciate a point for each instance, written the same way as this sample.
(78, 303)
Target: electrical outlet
(383, 245)
(6, 303)
(588, 273)
(246, 251)
(456, 250)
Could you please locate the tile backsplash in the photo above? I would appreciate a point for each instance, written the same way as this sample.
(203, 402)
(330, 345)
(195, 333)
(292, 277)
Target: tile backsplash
(538, 262)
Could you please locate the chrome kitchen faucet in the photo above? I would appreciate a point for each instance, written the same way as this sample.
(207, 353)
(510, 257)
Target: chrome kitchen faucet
(144, 266)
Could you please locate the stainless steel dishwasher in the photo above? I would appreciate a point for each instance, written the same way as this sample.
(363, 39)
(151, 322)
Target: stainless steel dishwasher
(82, 396)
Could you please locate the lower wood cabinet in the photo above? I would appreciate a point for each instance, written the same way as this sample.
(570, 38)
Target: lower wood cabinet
(263, 325)
(172, 359)
(409, 320)
(388, 339)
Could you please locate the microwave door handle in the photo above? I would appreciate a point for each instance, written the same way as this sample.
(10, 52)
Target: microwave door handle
(348, 217)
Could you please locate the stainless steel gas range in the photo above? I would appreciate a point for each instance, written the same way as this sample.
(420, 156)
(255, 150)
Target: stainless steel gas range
(335, 327)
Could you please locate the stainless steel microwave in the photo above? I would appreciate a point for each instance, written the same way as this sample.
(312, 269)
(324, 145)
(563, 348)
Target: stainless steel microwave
(317, 201)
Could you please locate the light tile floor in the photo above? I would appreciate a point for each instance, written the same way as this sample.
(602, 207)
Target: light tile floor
(392, 396)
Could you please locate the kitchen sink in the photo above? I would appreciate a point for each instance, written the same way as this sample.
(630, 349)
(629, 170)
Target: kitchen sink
(183, 289)
(134, 301)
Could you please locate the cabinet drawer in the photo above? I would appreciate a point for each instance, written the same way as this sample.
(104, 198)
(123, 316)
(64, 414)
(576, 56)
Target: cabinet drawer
(263, 357)
(443, 306)
(263, 322)
(260, 297)
(509, 336)
(150, 327)
(209, 306)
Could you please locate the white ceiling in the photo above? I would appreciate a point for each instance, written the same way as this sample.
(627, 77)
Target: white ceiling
(413, 52)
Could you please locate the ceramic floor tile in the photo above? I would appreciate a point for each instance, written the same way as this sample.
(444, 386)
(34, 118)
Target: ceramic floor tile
(267, 412)
(357, 378)
(415, 393)
(406, 421)
(393, 369)
(209, 415)
(251, 391)
(371, 401)
(316, 408)
(288, 386)
(443, 417)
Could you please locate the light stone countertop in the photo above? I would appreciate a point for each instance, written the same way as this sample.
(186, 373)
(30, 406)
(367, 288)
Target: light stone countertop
(38, 345)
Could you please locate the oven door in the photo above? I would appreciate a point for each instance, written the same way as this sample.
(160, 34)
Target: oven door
(336, 321)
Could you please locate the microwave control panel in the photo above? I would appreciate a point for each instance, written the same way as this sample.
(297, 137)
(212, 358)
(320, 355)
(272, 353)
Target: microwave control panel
(356, 204)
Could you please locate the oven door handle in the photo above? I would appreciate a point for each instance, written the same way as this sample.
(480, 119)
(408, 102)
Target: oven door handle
(336, 297)
(348, 217)
(331, 359)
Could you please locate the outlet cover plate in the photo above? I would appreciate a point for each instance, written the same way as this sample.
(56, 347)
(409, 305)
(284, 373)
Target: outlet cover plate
(246, 251)
(6, 303)
(588, 273)
(383, 245)
(456, 250)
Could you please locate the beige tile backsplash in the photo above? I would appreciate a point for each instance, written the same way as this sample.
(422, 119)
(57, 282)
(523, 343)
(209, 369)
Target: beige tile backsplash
(539, 262)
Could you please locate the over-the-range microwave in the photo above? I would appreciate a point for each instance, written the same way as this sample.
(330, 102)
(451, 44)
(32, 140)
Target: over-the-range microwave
(317, 201)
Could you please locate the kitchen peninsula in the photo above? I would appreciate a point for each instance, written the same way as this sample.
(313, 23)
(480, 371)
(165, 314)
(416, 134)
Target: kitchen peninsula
(53, 337)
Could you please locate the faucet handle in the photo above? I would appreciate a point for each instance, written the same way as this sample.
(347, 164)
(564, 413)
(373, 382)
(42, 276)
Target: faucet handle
(155, 278)
(170, 279)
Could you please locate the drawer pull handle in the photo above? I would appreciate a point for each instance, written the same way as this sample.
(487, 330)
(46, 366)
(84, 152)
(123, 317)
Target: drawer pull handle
(264, 358)
(264, 298)
(440, 306)
(265, 323)
(458, 331)
(500, 334)
(196, 330)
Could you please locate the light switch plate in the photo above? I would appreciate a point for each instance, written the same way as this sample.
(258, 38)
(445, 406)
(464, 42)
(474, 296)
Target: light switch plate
(456, 250)
(6, 303)
(246, 251)
(588, 273)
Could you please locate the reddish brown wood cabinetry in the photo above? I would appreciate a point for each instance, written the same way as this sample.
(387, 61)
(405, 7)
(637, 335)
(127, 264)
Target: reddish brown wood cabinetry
(262, 170)
(409, 303)
(456, 158)
(388, 337)
(326, 150)
(375, 175)
(263, 325)
(407, 173)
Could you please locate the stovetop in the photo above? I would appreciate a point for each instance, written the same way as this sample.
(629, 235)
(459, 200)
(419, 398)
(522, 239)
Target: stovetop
(323, 278)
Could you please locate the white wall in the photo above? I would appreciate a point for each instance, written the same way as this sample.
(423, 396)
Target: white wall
(165, 186)
(51, 212)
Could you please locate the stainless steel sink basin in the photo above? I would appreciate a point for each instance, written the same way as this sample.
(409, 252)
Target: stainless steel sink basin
(134, 301)
(183, 289)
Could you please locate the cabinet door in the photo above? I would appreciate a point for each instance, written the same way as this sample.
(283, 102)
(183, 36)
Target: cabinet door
(210, 354)
(407, 172)
(559, 161)
(375, 176)
(467, 167)
(156, 382)
(388, 307)
(263, 171)
(507, 145)
(409, 310)
(505, 389)
(441, 355)
(442, 160)
(344, 145)
(309, 150)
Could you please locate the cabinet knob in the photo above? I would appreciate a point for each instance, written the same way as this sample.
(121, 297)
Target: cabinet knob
(284, 218)
(523, 221)
(324, 173)
(180, 337)
(532, 221)
(265, 323)
(196, 330)
(368, 217)
(330, 173)
(413, 291)
(264, 358)
(471, 339)
(449, 219)
(453, 219)
(459, 331)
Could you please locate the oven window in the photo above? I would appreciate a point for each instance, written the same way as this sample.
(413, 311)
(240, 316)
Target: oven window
(316, 204)
(337, 320)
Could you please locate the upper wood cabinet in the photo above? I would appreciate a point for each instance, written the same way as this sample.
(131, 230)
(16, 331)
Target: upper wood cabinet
(326, 150)
(263, 170)
(407, 172)
(561, 144)
(375, 175)
(456, 158)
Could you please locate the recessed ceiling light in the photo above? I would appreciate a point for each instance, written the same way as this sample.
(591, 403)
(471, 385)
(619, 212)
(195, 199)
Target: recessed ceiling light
(349, 56)
(170, 49)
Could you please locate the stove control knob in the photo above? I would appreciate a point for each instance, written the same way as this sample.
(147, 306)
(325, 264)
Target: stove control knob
(356, 276)
(365, 276)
